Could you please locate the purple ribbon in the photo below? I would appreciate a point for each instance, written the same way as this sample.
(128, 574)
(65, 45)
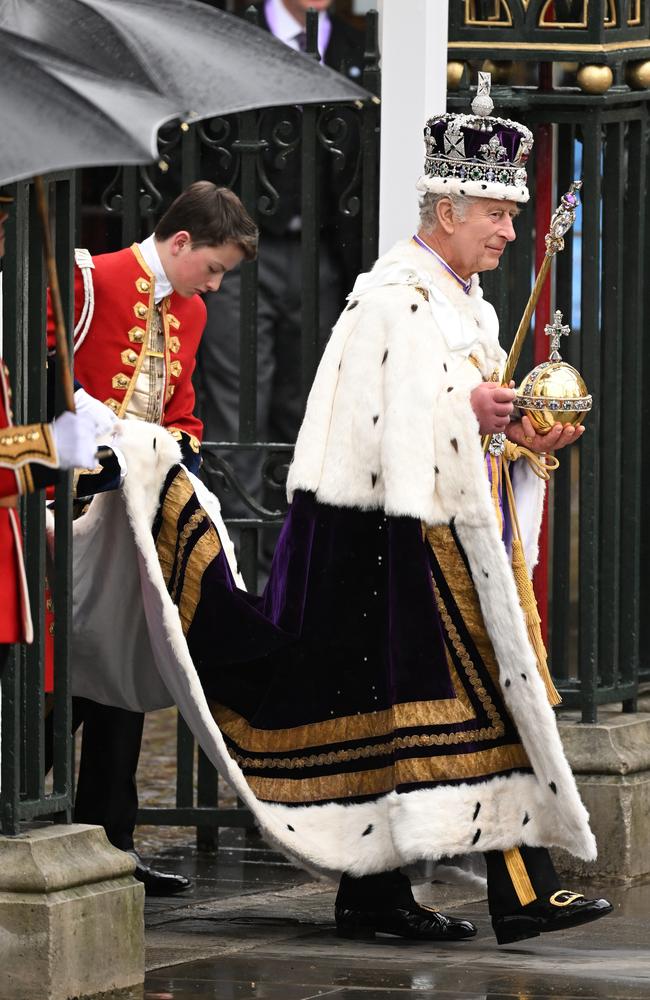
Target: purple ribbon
(465, 285)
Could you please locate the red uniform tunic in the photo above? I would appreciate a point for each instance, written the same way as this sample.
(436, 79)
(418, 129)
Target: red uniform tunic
(110, 354)
(19, 447)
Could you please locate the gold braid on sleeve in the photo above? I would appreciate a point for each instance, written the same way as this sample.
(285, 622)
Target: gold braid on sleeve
(28, 443)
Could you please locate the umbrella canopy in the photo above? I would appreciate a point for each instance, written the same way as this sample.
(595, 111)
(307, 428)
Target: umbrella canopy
(204, 61)
(55, 115)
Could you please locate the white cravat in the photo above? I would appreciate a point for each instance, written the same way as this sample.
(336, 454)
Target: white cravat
(149, 251)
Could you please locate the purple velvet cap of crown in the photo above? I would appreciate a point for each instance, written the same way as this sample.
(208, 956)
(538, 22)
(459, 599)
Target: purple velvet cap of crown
(509, 136)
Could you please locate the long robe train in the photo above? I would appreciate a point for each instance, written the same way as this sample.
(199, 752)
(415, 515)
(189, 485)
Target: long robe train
(356, 706)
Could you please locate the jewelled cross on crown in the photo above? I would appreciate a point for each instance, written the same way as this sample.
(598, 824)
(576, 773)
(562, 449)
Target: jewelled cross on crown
(556, 331)
(483, 105)
(493, 151)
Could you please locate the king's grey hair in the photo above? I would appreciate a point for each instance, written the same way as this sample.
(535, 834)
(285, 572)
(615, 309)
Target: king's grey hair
(429, 204)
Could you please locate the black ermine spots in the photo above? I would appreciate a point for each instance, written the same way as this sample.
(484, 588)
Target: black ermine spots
(454, 444)
(367, 830)
(477, 810)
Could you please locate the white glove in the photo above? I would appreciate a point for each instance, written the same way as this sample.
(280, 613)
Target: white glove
(74, 437)
(104, 417)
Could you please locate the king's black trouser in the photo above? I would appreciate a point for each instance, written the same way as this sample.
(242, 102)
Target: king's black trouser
(515, 878)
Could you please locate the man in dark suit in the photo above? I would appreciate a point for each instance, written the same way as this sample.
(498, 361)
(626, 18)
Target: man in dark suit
(279, 388)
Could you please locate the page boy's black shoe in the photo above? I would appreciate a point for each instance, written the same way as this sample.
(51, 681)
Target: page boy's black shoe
(157, 883)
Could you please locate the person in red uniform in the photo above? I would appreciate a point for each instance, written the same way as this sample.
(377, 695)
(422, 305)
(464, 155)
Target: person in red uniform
(138, 323)
(30, 457)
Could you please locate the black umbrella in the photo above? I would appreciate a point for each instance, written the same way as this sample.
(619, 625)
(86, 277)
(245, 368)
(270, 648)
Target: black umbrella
(204, 61)
(56, 115)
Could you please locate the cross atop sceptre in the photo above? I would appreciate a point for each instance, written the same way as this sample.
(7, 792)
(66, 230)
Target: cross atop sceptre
(556, 331)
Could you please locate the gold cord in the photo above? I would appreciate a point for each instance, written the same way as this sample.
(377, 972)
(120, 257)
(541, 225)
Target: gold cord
(527, 595)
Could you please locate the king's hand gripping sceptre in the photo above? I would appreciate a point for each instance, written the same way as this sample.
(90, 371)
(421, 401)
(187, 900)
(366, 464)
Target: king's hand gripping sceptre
(561, 221)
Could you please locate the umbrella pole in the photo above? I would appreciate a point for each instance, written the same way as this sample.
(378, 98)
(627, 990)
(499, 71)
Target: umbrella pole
(62, 353)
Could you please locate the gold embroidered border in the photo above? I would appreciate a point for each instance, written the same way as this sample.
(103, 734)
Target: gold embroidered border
(188, 530)
(415, 770)
(166, 322)
(176, 497)
(205, 550)
(150, 307)
(464, 593)
(497, 727)
(347, 728)
(363, 753)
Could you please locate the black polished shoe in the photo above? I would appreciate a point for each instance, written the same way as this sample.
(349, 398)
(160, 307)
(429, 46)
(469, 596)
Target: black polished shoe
(564, 909)
(415, 922)
(158, 883)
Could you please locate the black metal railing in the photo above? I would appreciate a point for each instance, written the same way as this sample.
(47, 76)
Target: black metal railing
(23, 793)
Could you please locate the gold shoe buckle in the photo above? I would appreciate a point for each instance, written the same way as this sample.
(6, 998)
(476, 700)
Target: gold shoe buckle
(564, 898)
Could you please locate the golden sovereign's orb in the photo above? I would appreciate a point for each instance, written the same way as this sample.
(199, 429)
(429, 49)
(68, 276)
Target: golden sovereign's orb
(554, 392)
(594, 79)
(455, 72)
(638, 75)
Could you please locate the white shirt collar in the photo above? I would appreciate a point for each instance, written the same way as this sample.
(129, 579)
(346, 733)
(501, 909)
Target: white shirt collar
(163, 286)
(285, 27)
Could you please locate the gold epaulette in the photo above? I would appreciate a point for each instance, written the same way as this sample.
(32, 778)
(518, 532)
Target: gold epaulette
(30, 443)
(178, 434)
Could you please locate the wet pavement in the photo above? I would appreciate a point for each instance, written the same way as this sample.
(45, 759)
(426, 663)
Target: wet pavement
(255, 928)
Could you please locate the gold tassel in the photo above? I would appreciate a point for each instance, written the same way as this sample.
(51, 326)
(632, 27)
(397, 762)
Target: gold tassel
(527, 598)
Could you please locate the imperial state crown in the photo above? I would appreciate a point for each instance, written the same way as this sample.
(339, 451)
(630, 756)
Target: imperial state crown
(476, 154)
